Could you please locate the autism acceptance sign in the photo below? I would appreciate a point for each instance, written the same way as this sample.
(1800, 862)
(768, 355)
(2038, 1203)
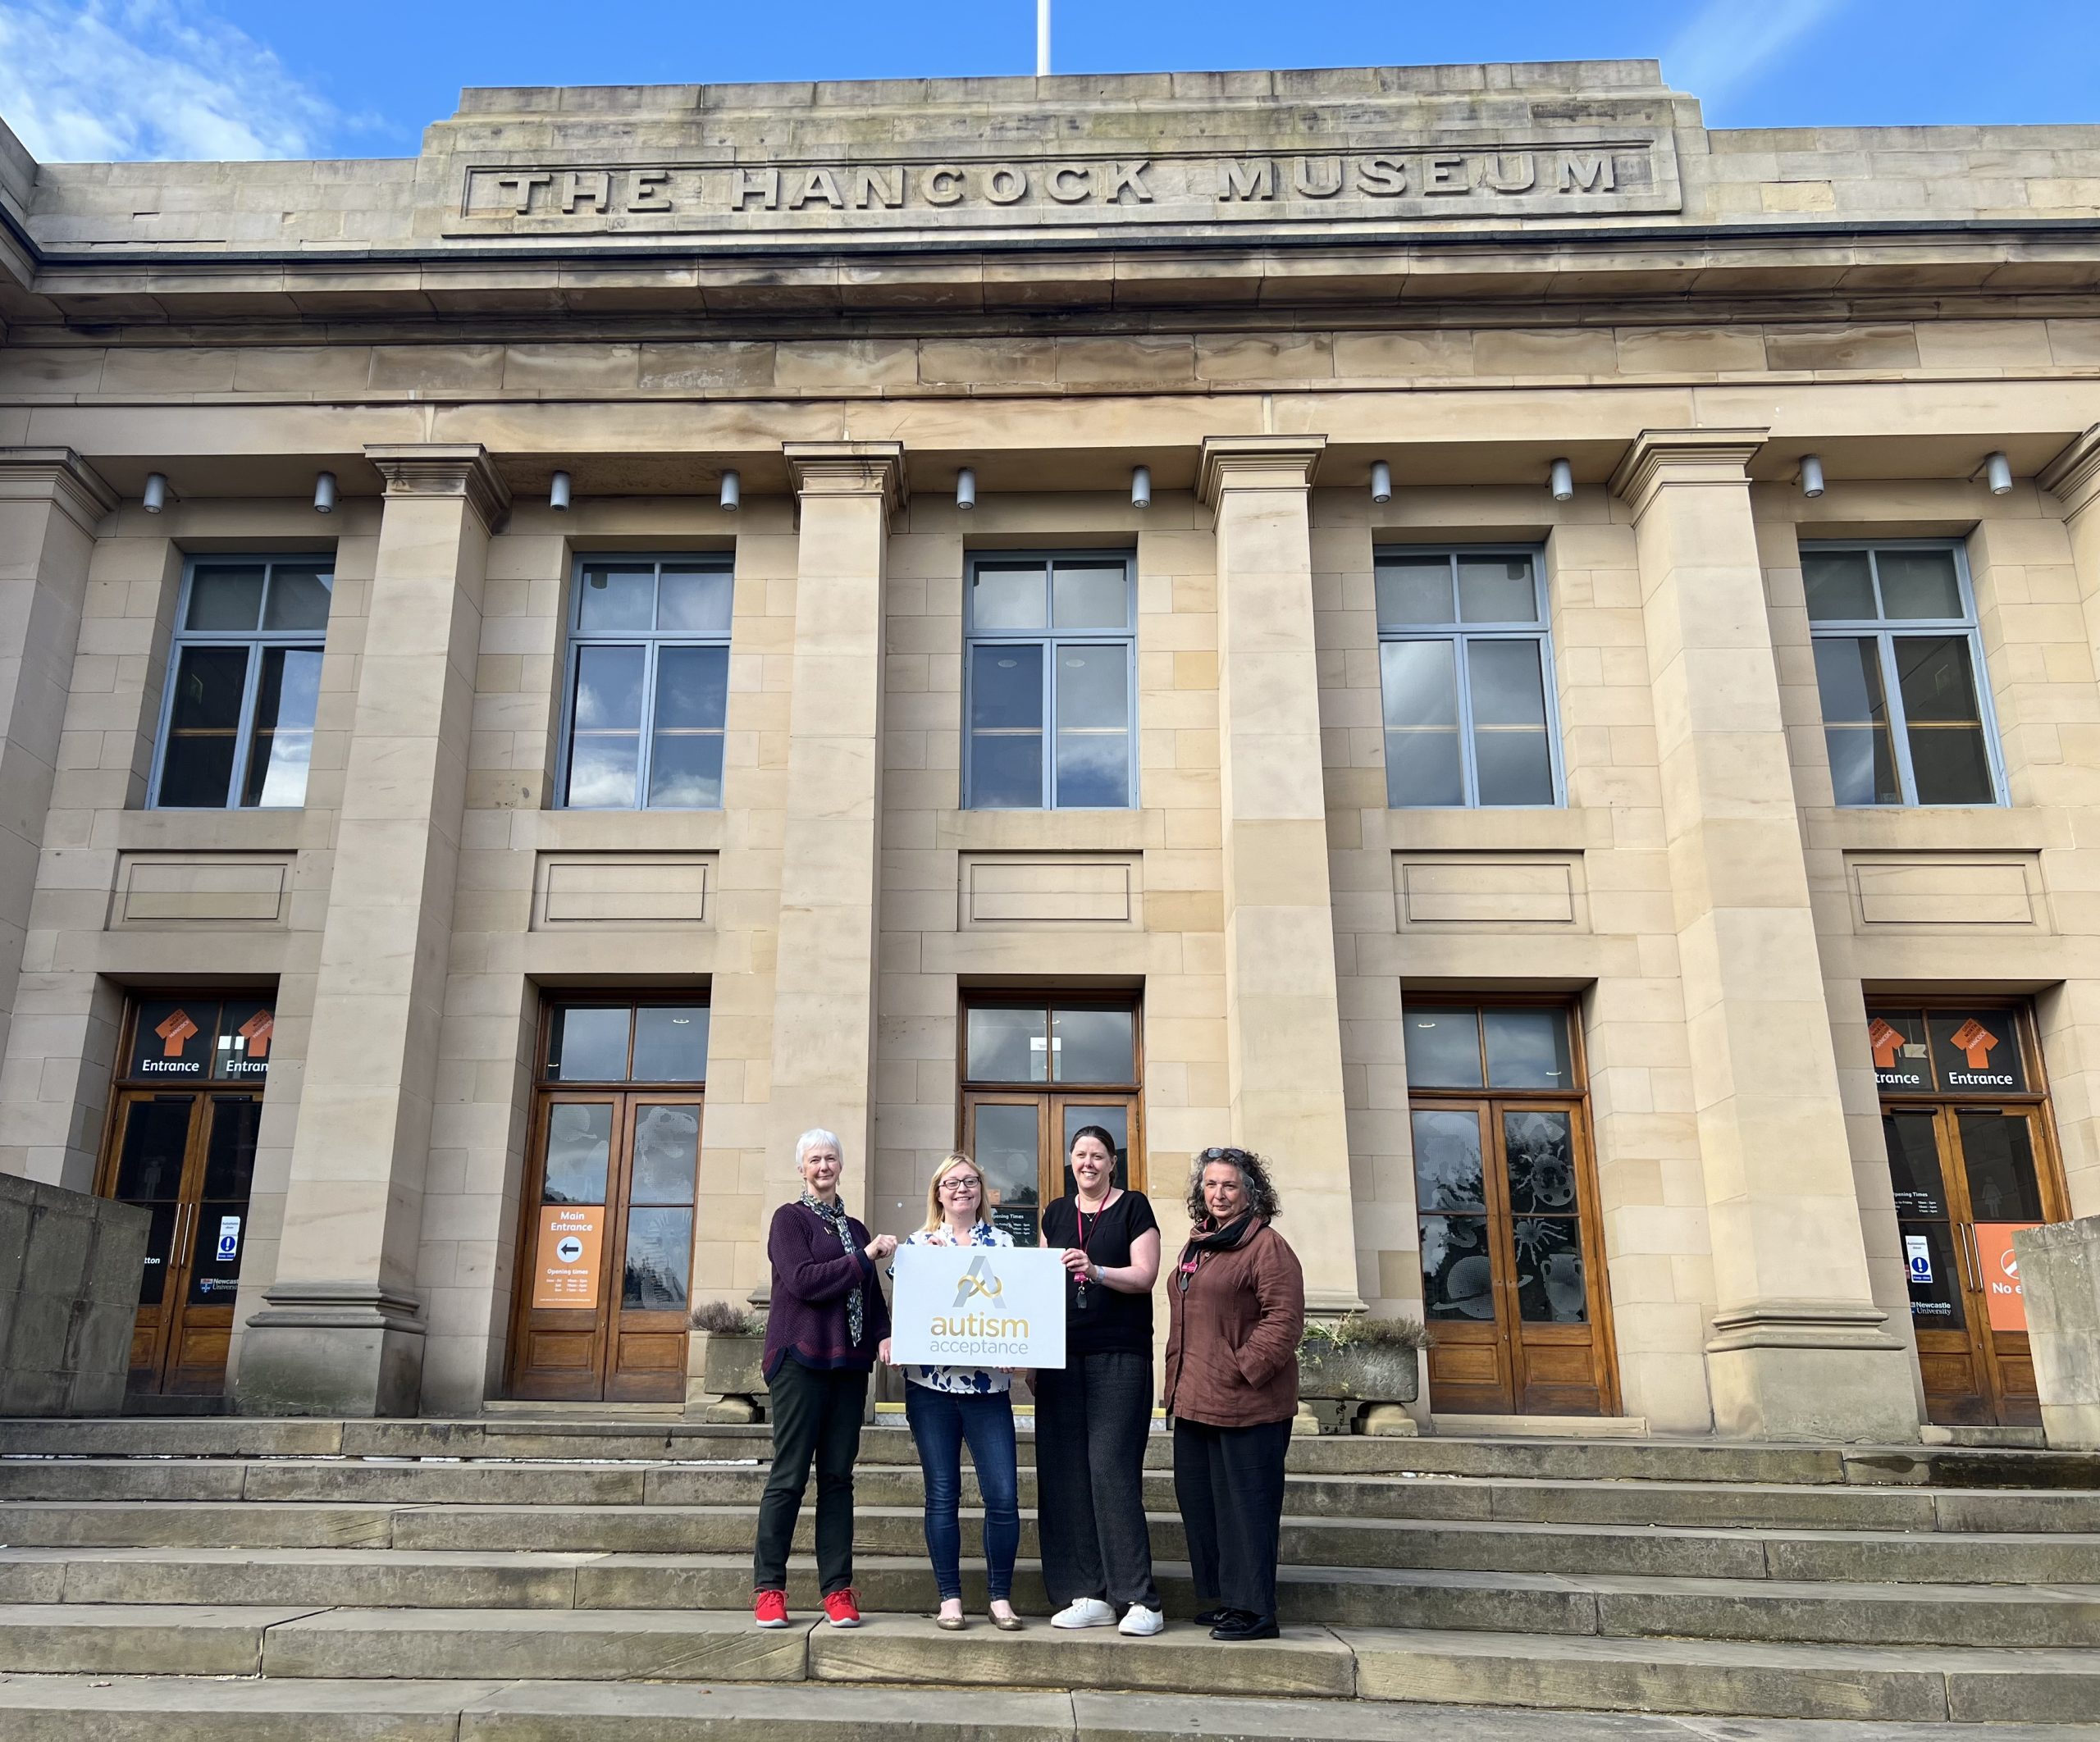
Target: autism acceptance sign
(979, 1307)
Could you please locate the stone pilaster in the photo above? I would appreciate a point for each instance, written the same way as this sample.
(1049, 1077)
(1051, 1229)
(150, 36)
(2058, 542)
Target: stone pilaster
(823, 1005)
(1800, 1349)
(50, 502)
(1283, 1021)
(342, 1332)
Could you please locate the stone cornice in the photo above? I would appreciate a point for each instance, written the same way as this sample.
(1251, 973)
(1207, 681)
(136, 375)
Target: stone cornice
(1257, 462)
(2073, 476)
(848, 468)
(444, 468)
(60, 476)
(1670, 456)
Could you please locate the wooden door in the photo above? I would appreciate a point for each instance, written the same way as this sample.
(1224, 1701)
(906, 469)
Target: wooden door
(1513, 1275)
(608, 1247)
(1966, 1178)
(187, 1157)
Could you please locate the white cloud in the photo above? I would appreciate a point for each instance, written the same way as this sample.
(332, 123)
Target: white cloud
(1731, 41)
(104, 81)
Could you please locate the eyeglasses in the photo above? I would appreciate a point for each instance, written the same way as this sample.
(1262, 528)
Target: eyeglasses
(962, 1182)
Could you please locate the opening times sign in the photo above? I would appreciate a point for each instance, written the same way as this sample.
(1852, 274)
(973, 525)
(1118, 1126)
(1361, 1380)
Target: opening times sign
(1946, 1052)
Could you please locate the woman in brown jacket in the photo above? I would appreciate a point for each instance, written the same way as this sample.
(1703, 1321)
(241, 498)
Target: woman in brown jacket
(1238, 1306)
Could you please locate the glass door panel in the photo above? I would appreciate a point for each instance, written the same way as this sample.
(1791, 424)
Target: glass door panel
(565, 1293)
(648, 1345)
(1004, 1136)
(2003, 1192)
(153, 1151)
(1470, 1367)
(1113, 1117)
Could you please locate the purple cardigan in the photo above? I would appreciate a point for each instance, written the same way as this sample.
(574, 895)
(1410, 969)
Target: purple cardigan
(812, 1275)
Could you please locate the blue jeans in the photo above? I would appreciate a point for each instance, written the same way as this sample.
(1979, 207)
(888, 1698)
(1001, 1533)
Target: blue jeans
(940, 1422)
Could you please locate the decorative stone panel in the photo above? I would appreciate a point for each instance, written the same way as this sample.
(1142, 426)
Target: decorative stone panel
(1018, 891)
(1964, 891)
(626, 890)
(199, 889)
(1458, 891)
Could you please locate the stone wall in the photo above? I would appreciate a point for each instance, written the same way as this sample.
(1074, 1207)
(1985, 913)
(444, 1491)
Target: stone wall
(69, 1289)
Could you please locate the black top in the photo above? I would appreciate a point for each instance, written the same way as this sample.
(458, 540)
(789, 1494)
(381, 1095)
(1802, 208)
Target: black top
(1108, 1321)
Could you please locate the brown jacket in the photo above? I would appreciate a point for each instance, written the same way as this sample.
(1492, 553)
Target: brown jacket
(1232, 1348)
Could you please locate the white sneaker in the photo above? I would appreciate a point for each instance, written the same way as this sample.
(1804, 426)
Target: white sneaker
(1084, 1611)
(1141, 1623)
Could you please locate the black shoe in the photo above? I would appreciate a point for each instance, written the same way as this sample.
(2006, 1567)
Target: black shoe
(1212, 1617)
(1239, 1624)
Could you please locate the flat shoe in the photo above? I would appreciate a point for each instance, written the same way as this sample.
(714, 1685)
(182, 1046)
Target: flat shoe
(1006, 1624)
(950, 1623)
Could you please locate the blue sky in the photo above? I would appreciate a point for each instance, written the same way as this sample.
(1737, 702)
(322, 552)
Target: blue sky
(89, 79)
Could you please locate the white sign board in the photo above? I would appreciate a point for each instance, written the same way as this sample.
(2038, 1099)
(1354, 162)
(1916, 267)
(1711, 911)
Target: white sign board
(979, 1307)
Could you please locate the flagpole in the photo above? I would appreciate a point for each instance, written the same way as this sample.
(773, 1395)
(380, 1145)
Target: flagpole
(1041, 38)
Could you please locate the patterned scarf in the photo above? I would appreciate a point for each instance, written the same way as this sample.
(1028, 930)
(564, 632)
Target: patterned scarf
(833, 1214)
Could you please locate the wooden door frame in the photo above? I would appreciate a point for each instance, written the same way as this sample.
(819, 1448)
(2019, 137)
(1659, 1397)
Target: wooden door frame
(188, 1193)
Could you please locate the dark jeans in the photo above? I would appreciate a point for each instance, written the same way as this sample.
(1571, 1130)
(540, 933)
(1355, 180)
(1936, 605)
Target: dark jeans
(816, 1415)
(1229, 1483)
(1091, 1421)
(940, 1422)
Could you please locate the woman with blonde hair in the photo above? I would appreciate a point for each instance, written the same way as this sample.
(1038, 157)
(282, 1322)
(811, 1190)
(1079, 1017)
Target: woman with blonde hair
(945, 1406)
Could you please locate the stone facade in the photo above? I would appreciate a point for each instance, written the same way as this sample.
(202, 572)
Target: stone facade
(1256, 285)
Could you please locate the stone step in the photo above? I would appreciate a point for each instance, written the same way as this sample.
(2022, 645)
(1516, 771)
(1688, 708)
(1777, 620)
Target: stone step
(1838, 1613)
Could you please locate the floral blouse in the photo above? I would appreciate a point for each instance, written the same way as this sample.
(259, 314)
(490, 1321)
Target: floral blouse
(967, 1380)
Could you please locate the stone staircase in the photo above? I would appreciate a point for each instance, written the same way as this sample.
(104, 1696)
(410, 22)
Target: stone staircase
(519, 1579)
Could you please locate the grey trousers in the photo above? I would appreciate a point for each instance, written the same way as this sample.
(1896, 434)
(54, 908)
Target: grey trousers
(1091, 1423)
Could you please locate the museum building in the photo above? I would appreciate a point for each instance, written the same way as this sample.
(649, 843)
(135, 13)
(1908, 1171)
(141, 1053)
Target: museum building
(1532, 661)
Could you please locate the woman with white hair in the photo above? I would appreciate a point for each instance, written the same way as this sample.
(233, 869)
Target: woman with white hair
(827, 1319)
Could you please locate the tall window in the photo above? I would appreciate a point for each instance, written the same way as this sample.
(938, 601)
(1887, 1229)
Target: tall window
(1463, 657)
(237, 722)
(1052, 667)
(648, 684)
(1897, 656)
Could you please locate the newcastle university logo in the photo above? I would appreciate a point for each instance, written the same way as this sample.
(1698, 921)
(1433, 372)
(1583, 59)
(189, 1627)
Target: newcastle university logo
(977, 1279)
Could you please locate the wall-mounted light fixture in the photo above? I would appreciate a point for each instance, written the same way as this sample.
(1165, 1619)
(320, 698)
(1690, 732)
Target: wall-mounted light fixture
(966, 489)
(1811, 475)
(1141, 486)
(324, 493)
(558, 494)
(733, 492)
(1997, 472)
(156, 497)
(1381, 481)
(1562, 477)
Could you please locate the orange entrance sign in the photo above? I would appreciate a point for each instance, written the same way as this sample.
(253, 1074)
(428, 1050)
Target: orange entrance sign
(571, 1236)
(175, 1031)
(2001, 1274)
(257, 1031)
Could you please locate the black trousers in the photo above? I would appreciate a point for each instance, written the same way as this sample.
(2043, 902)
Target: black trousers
(1229, 1483)
(1091, 1421)
(816, 1416)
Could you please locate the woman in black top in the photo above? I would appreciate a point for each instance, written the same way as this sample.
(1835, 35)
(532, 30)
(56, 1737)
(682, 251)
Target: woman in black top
(1091, 1417)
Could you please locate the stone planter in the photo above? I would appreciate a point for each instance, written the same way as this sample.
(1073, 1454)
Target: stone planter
(1357, 1387)
(734, 1369)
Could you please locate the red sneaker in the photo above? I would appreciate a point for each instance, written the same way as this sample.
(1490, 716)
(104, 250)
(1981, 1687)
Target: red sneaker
(842, 1609)
(769, 1608)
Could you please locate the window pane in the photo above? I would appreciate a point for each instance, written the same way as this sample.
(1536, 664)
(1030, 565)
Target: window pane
(659, 1263)
(222, 597)
(1997, 1154)
(197, 768)
(1948, 757)
(1008, 1152)
(160, 1252)
(1443, 1048)
(1421, 693)
(1840, 585)
(230, 1151)
(1911, 1141)
(1414, 590)
(1856, 720)
(1538, 1153)
(172, 1040)
(283, 744)
(156, 1133)
(241, 1049)
(299, 598)
(1550, 1286)
(670, 1043)
(1935, 1288)
(1092, 1046)
(616, 596)
(1917, 583)
(1115, 1121)
(1007, 596)
(1497, 589)
(587, 1044)
(693, 697)
(579, 1148)
(1511, 760)
(605, 741)
(1528, 1049)
(1089, 596)
(1457, 1277)
(1976, 1052)
(1094, 727)
(1005, 727)
(1448, 1169)
(666, 1154)
(1008, 1045)
(694, 599)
